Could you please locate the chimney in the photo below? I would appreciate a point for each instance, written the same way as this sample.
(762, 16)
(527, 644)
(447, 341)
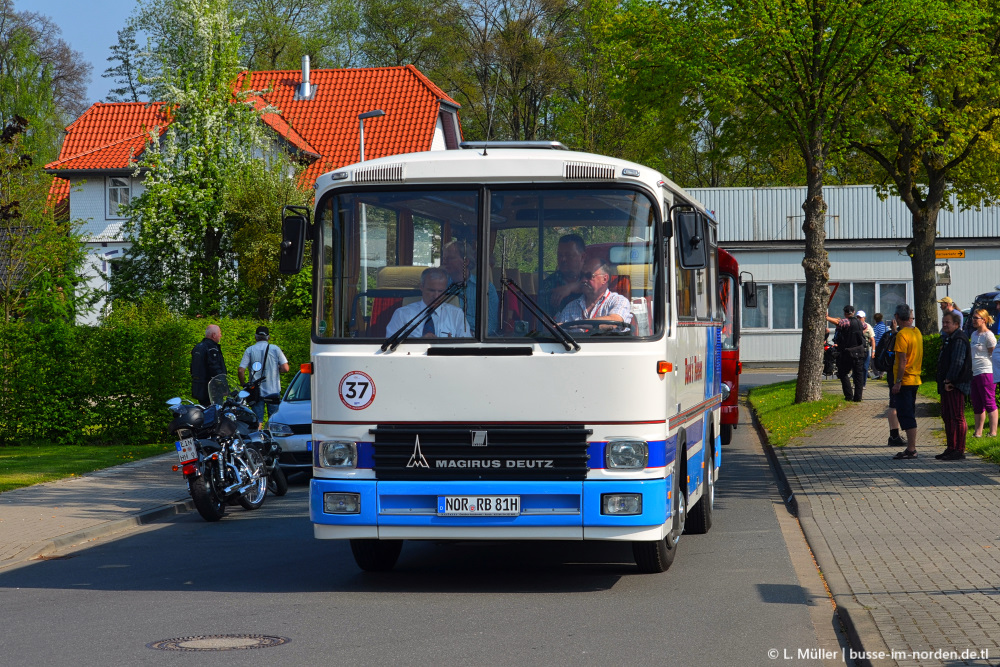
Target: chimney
(305, 89)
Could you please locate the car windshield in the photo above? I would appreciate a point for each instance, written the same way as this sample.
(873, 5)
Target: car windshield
(580, 259)
(299, 388)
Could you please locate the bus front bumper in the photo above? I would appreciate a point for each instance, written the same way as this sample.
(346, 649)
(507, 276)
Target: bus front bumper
(548, 510)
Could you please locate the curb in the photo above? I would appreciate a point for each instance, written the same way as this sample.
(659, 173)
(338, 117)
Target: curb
(859, 625)
(103, 529)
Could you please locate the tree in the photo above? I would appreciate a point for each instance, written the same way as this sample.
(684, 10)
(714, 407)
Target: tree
(40, 257)
(127, 74)
(254, 199)
(277, 33)
(935, 113)
(182, 246)
(799, 69)
(67, 72)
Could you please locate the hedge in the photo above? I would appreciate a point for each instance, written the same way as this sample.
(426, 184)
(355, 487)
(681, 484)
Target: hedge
(68, 384)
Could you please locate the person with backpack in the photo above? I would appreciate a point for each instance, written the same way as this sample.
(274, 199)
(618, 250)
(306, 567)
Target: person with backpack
(954, 381)
(850, 339)
(273, 363)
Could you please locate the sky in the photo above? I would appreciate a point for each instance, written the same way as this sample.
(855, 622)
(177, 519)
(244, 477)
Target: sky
(88, 26)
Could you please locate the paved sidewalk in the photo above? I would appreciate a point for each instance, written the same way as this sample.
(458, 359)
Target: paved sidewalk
(49, 516)
(910, 548)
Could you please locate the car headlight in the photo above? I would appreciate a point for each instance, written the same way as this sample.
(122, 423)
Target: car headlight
(337, 454)
(279, 430)
(726, 390)
(626, 454)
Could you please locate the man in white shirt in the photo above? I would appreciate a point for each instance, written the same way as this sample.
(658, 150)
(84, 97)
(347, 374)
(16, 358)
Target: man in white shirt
(597, 302)
(273, 361)
(446, 321)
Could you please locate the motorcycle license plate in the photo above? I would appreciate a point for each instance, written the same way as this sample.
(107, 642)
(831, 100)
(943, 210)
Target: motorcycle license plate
(479, 506)
(186, 450)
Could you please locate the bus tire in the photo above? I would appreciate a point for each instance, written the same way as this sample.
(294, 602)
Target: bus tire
(376, 555)
(656, 557)
(700, 520)
(727, 434)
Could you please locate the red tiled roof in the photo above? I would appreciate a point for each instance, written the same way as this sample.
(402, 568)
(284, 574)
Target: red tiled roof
(108, 136)
(59, 196)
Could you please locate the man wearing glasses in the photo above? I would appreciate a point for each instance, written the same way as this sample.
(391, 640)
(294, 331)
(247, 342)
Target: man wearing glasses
(597, 302)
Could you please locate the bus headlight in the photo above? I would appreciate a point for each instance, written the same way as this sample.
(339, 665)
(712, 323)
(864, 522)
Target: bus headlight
(337, 454)
(622, 504)
(342, 503)
(626, 454)
(726, 390)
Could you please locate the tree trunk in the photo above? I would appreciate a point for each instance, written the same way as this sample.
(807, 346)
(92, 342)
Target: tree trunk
(816, 264)
(922, 260)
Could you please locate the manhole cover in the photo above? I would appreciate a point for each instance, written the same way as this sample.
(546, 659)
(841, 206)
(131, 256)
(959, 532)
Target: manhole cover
(218, 643)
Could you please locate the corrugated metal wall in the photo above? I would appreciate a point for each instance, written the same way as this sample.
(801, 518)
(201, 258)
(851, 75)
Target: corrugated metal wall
(853, 213)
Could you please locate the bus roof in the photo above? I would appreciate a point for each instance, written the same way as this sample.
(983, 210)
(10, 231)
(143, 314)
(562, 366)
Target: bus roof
(498, 164)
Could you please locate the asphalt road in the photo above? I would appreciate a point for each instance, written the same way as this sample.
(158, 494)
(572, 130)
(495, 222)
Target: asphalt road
(729, 598)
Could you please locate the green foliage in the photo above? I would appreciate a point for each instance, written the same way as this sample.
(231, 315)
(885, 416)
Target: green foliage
(783, 419)
(41, 258)
(182, 244)
(129, 70)
(68, 384)
(932, 348)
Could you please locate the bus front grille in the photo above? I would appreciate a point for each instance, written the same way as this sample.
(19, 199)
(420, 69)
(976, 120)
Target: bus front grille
(480, 452)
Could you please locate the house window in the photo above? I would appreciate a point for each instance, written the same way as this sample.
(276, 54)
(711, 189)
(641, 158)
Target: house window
(119, 195)
(780, 305)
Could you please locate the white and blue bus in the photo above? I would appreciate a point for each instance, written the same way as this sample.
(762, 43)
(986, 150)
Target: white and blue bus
(510, 342)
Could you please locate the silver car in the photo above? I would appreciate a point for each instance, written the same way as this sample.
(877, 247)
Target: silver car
(291, 426)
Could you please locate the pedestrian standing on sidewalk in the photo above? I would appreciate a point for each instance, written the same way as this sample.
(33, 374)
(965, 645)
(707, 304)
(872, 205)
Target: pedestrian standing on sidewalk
(983, 391)
(894, 438)
(850, 341)
(878, 330)
(954, 380)
(206, 362)
(909, 352)
(869, 335)
(948, 306)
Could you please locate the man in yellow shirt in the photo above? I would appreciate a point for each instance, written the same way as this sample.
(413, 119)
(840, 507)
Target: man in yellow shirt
(909, 349)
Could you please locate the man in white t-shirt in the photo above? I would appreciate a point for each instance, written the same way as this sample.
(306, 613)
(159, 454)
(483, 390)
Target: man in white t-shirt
(273, 361)
(446, 321)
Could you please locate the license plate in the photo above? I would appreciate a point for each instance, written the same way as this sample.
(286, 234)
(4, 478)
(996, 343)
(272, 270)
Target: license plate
(479, 505)
(186, 450)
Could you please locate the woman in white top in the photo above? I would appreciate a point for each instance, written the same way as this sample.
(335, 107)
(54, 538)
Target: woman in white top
(983, 397)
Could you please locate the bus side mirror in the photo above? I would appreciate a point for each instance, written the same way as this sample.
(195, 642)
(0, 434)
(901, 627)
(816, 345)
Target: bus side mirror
(691, 239)
(749, 294)
(293, 243)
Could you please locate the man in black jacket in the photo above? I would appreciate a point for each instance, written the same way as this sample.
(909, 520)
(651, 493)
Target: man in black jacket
(206, 363)
(954, 381)
(850, 339)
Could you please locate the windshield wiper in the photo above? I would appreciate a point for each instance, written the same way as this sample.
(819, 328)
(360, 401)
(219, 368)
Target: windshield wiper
(393, 341)
(560, 334)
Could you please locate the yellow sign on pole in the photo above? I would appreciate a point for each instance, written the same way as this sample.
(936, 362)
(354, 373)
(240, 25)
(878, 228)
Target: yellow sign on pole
(950, 254)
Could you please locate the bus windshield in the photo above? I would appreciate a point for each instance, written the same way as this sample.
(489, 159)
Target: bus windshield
(544, 258)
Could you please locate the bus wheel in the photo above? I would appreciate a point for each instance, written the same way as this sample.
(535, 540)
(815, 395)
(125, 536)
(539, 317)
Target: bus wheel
(727, 433)
(700, 520)
(654, 557)
(376, 555)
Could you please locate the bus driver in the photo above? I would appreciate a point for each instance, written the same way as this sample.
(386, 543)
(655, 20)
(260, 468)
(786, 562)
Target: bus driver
(445, 321)
(597, 302)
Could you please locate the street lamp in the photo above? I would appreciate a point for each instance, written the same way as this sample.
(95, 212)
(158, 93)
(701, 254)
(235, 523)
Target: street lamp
(375, 113)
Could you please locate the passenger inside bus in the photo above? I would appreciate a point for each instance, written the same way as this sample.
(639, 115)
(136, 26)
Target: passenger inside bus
(597, 302)
(445, 321)
(458, 259)
(563, 285)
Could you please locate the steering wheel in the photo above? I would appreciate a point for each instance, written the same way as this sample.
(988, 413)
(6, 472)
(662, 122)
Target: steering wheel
(590, 326)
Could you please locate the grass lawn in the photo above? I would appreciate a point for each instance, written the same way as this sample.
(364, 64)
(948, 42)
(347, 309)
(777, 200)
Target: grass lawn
(30, 464)
(986, 447)
(784, 420)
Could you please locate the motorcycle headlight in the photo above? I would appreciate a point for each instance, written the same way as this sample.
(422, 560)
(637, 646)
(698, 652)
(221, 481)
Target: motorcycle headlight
(337, 454)
(626, 454)
(279, 430)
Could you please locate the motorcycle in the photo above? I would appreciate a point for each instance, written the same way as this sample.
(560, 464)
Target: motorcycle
(217, 457)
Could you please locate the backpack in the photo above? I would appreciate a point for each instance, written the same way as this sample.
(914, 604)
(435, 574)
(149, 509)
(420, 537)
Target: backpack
(884, 352)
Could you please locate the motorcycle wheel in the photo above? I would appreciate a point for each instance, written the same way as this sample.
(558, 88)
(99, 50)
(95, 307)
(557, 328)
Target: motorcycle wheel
(252, 462)
(206, 501)
(277, 483)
